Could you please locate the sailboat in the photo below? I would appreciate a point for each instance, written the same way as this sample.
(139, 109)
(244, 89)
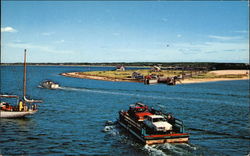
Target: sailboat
(23, 106)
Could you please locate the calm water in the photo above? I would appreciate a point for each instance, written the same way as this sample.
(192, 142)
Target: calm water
(72, 119)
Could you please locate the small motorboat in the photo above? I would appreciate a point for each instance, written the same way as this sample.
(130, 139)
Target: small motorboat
(50, 84)
(152, 126)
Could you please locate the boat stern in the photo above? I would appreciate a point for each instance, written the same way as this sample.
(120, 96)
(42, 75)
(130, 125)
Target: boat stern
(168, 138)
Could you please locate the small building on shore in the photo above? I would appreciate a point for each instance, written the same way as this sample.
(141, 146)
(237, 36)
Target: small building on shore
(120, 68)
(156, 69)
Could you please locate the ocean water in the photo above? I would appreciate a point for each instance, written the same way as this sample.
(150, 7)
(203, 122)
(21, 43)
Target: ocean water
(71, 120)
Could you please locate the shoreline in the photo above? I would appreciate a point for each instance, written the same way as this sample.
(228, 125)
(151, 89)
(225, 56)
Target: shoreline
(63, 65)
(102, 78)
(186, 81)
(191, 81)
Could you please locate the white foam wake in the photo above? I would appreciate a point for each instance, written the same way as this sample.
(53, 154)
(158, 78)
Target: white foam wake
(154, 151)
(127, 94)
(169, 149)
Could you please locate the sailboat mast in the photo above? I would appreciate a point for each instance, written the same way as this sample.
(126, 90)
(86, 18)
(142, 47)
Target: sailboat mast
(24, 75)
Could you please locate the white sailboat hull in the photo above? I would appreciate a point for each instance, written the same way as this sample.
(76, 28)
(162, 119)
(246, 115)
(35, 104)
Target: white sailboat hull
(15, 114)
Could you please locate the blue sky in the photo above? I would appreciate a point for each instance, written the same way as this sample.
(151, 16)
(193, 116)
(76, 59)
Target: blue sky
(125, 31)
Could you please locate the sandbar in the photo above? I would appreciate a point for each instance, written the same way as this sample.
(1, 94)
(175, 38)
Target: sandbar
(185, 81)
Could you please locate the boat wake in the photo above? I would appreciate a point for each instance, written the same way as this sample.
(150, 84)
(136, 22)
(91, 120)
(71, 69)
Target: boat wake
(151, 150)
(110, 128)
(52, 89)
(95, 91)
(118, 92)
(218, 135)
(170, 149)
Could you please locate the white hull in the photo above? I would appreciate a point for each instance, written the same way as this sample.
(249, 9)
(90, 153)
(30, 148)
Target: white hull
(151, 81)
(50, 86)
(15, 114)
(54, 86)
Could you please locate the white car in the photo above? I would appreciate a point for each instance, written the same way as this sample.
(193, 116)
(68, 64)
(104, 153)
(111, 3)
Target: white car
(158, 123)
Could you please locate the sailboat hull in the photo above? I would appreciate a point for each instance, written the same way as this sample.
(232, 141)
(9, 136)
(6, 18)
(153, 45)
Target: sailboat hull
(15, 114)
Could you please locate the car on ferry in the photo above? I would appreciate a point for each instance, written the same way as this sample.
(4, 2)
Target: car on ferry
(157, 123)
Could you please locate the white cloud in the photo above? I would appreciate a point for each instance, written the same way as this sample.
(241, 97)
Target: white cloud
(213, 51)
(47, 33)
(38, 48)
(185, 49)
(212, 47)
(116, 34)
(179, 35)
(224, 37)
(241, 31)
(8, 29)
(60, 41)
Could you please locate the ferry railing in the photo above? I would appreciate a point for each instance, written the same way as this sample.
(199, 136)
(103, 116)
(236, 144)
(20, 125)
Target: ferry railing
(180, 125)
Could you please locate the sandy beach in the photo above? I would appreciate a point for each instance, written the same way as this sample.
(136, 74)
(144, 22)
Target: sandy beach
(231, 72)
(186, 81)
(220, 72)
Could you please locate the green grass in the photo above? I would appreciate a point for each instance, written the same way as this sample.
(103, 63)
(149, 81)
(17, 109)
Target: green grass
(128, 73)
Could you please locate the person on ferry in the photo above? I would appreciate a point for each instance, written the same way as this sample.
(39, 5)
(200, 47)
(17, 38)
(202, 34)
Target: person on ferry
(171, 119)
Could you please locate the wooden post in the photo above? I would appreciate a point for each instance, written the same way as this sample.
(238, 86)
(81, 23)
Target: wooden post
(182, 74)
(24, 74)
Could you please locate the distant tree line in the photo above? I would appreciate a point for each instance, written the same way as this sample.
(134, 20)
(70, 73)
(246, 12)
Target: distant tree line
(207, 65)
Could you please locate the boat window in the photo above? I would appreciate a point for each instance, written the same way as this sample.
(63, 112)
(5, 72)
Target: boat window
(140, 110)
(158, 119)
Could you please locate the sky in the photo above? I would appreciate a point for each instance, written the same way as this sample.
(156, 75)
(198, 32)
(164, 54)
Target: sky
(125, 31)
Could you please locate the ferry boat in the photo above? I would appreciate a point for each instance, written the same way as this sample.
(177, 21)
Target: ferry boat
(50, 84)
(151, 79)
(152, 126)
(23, 107)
